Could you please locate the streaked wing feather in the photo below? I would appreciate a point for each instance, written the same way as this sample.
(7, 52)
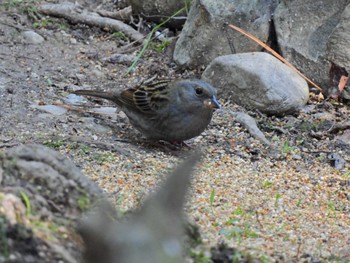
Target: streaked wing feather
(148, 99)
(126, 98)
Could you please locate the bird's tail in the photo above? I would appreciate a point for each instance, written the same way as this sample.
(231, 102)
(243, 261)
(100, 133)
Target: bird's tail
(100, 94)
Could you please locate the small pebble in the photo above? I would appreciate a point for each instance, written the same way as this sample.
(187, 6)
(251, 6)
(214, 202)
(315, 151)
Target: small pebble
(32, 37)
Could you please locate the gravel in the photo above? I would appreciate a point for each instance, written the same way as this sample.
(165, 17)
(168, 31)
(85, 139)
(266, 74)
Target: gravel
(261, 199)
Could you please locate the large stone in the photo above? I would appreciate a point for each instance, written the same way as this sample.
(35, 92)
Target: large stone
(205, 36)
(338, 48)
(42, 195)
(47, 174)
(258, 81)
(304, 28)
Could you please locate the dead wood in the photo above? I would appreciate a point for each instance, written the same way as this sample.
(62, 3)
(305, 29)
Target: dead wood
(123, 14)
(75, 14)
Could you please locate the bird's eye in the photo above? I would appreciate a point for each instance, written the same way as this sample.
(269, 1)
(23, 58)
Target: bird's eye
(199, 91)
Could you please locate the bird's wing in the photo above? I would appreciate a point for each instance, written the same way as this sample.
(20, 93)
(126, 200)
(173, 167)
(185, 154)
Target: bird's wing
(147, 99)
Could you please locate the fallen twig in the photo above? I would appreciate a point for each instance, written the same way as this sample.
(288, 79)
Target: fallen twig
(278, 56)
(75, 14)
(123, 14)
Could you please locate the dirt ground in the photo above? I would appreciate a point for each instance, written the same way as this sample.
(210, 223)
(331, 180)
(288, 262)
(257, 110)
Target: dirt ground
(289, 201)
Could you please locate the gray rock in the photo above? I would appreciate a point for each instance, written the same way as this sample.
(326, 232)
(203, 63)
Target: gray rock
(343, 138)
(73, 41)
(32, 37)
(90, 124)
(53, 109)
(338, 46)
(34, 76)
(304, 28)
(125, 59)
(42, 171)
(258, 81)
(250, 124)
(336, 161)
(54, 194)
(204, 36)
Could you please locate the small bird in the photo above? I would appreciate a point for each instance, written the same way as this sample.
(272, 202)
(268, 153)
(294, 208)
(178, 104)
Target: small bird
(172, 111)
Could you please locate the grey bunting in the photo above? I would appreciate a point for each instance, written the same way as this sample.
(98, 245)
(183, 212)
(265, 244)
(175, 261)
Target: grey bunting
(172, 111)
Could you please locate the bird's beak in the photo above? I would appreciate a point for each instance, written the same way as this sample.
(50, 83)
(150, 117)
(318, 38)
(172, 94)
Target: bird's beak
(212, 103)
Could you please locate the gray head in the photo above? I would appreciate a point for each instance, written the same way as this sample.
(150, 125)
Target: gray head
(197, 93)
